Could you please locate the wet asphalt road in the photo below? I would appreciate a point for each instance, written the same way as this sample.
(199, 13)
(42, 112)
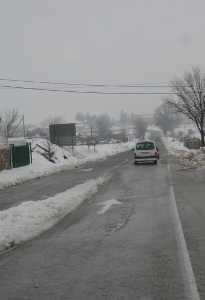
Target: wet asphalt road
(129, 252)
(48, 186)
(190, 195)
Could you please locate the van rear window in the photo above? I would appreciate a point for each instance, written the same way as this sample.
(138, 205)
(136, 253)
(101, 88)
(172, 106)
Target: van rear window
(145, 146)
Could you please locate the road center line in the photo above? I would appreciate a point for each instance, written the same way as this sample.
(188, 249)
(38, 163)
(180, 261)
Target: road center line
(187, 270)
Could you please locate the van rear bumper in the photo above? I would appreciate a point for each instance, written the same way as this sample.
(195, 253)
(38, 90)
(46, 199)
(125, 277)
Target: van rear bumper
(146, 159)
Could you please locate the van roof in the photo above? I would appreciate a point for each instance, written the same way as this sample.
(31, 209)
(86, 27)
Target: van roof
(144, 141)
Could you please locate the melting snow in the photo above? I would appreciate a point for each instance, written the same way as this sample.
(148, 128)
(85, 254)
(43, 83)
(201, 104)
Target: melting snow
(42, 167)
(29, 219)
(107, 205)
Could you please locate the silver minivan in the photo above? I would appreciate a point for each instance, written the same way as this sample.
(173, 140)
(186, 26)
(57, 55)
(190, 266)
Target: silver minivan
(146, 151)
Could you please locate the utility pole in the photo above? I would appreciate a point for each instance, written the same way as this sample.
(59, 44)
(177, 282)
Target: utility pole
(24, 131)
(91, 137)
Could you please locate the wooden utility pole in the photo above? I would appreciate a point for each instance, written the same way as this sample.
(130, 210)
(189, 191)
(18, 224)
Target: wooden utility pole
(24, 130)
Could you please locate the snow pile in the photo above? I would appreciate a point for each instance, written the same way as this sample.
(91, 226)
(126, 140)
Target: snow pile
(187, 158)
(29, 219)
(101, 151)
(192, 159)
(63, 159)
(173, 146)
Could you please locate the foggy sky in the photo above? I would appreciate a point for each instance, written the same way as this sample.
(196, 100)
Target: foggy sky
(110, 41)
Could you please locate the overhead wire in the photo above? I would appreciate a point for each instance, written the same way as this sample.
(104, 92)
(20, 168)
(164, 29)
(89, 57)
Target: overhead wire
(78, 84)
(78, 88)
(73, 91)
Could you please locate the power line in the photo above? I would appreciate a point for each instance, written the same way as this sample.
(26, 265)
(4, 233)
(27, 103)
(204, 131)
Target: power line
(135, 85)
(73, 91)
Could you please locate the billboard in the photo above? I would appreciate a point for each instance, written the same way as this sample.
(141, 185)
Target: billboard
(63, 134)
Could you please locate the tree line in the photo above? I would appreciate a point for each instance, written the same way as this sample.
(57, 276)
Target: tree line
(103, 125)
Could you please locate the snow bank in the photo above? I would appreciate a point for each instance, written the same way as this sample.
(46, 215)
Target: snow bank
(29, 219)
(187, 158)
(84, 154)
(173, 146)
(42, 167)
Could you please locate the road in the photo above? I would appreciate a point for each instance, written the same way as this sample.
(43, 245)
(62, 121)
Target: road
(48, 186)
(190, 191)
(121, 244)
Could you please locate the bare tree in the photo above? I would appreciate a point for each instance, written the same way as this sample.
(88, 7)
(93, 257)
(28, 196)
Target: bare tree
(11, 120)
(165, 117)
(37, 131)
(190, 98)
(140, 126)
(1, 126)
(97, 123)
(103, 125)
(80, 117)
(91, 120)
(123, 119)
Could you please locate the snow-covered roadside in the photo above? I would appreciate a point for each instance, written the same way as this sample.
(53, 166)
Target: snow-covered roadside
(187, 158)
(29, 219)
(173, 146)
(42, 167)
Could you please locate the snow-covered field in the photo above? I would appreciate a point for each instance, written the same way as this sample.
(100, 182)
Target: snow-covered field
(64, 158)
(29, 219)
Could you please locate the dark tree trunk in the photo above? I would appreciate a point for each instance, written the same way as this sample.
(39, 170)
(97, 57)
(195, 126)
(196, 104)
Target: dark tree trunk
(202, 138)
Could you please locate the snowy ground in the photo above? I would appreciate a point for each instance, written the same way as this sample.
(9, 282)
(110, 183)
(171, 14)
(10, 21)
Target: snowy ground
(29, 219)
(187, 158)
(188, 129)
(63, 158)
(174, 146)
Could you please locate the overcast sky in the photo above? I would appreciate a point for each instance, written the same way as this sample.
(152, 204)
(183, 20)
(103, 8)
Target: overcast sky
(109, 41)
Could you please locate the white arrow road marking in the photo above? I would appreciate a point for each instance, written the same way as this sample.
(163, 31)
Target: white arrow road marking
(107, 205)
(87, 170)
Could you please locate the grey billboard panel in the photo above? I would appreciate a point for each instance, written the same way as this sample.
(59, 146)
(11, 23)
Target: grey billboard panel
(63, 134)
(64, 129)
(66, 141)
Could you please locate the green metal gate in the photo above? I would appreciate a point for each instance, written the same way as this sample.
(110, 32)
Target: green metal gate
(20, 155)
